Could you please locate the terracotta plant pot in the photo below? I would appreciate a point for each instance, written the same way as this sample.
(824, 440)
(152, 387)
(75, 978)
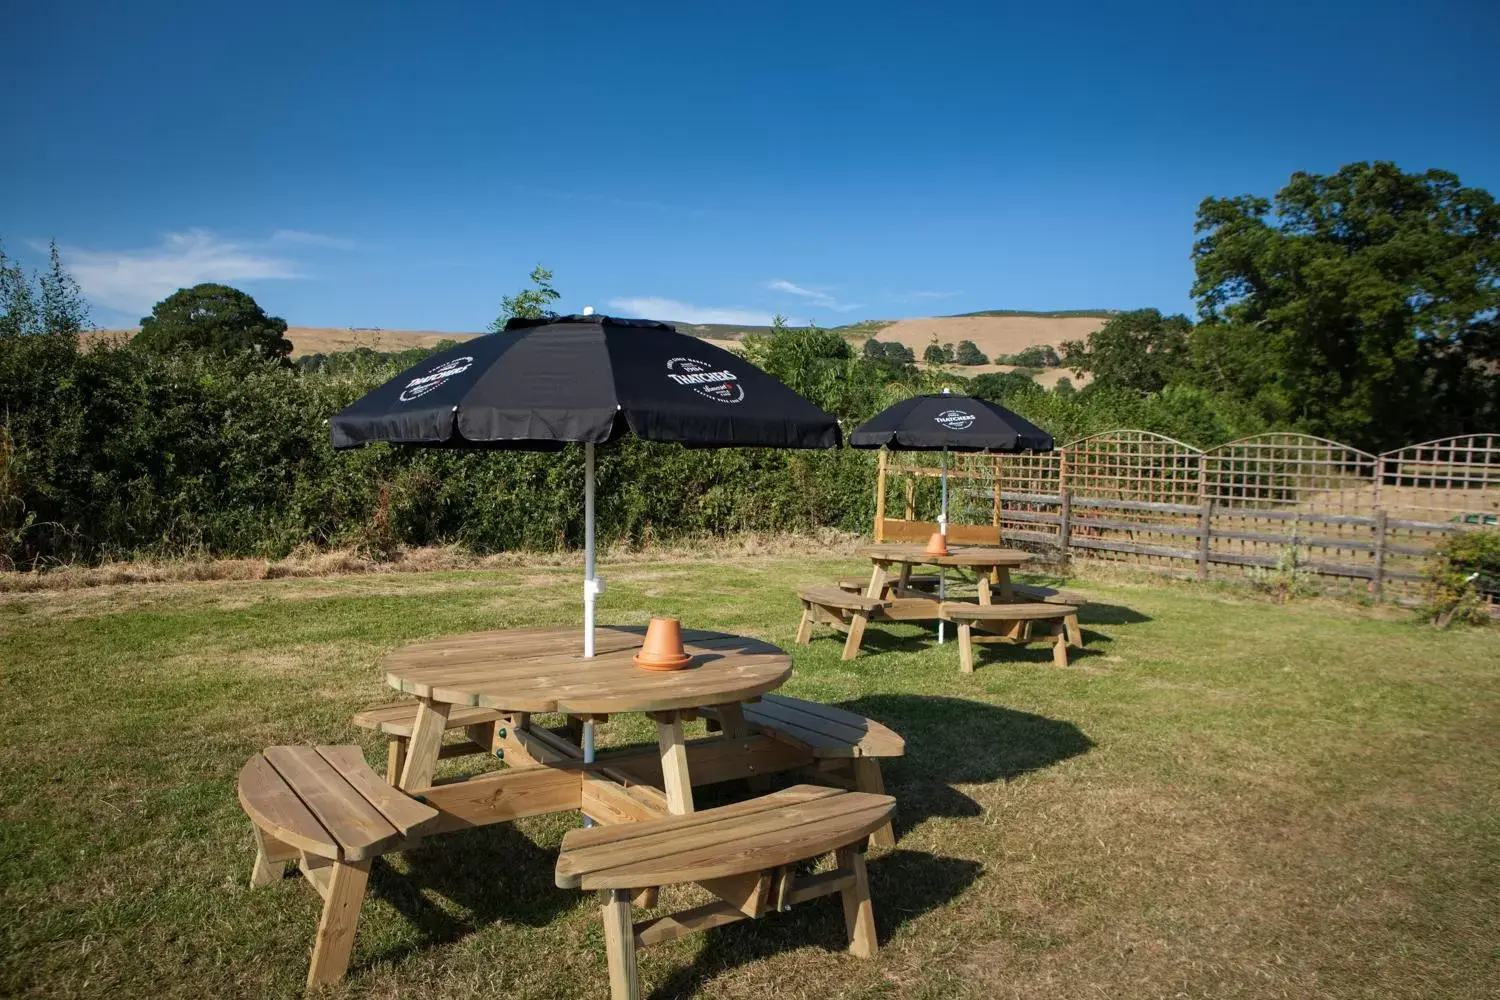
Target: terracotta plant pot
(662, 649)
(937, 545)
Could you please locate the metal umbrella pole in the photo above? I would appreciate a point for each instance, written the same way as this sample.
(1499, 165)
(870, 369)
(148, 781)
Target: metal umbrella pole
(591, 588)
(943, 527)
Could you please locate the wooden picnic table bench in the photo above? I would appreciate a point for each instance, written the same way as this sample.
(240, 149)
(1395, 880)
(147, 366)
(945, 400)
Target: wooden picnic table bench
(744, 853)
(846, 746)
(1011, 623)
(397, 719)
(326, 809)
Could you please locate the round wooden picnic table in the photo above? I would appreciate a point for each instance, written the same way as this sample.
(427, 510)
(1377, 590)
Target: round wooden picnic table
(536, 670)
(991, 565)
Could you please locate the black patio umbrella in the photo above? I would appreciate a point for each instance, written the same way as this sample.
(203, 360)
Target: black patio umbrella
(950, 423)
(588, 378)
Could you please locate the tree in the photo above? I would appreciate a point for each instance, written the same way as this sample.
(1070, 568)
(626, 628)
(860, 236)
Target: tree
(1064, 387)
(873, 350)
(968, 353)
(899, 353)
(64, 310)
(1364, 309)
(938, 354)
(1138, 351)
(213, 318)
(997, 387)
(529, 303)
(18, 309)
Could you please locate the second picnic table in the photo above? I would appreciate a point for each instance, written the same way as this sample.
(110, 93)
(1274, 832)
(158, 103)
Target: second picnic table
(990, 565)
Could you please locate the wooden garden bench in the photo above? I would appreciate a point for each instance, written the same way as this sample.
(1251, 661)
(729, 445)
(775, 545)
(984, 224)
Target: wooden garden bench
(842, 742)
(396, 720)
(744, 853)
(324, 808)
(1011, 623)
(841, 609)
(1048, 595)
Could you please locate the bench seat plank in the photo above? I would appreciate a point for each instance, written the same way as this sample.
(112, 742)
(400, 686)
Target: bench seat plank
(397, 718)
(717, 843)
(404, 813)
(1010, 612)
(826, 731)
(272, 805)
(834, 597)
(355, 824)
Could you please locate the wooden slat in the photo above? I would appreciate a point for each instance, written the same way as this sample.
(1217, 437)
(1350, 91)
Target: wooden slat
(398, 717)
(272, 805)
(812, 832)
(836, 597)
(822, 884)
(676, 925)
(355, 824)
(719, 842)
(607, 802)
(502, 796)
(1028, 611)
(401, 811)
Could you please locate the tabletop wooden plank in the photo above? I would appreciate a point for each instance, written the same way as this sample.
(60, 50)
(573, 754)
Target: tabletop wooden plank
(543, 670)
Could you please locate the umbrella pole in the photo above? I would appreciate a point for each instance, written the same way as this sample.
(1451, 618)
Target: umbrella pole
(943, 527)
(590, 588)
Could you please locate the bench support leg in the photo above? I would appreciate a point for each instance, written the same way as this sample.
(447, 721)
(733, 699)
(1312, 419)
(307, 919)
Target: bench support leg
(1059, 644)
(804, 630)
(1075, 634)
(335, 939)
(271, 856)
(395, 760)
(619, 944)
(425, 743)
(859, 912)
(867, 779)
(856, 633)
(965, 647)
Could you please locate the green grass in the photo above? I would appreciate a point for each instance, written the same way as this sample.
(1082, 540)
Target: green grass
(1220, 798)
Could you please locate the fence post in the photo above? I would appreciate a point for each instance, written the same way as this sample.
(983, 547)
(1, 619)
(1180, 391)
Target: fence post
(1065, 524)
(1205, 520)
(1377, 582)
(880, 496)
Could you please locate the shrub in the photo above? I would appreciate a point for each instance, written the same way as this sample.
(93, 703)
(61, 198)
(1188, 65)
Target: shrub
(1463, 579)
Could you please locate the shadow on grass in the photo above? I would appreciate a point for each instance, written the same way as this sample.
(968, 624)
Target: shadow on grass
(903, 885)
(955, 741)
(495, 873)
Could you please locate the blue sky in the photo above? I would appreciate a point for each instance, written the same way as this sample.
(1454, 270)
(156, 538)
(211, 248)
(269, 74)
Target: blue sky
(404, 166)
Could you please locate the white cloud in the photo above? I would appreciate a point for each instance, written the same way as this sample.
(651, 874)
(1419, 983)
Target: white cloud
(132, 281)
(651, 307)
(303, 238)
(816, 295)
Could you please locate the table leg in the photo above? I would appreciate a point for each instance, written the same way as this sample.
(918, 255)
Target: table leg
(674, 766)
(903, 579)
(876, 589)
(1002, 577)
(426, 740)
(983, 580)
(732, 721)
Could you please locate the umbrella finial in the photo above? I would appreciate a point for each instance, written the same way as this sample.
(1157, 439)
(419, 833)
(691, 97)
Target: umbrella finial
(947, 391)
(588, 310)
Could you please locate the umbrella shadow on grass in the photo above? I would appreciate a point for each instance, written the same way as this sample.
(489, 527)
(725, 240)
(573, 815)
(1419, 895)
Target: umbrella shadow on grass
(956, 741)
(494, 873)
(903, 884)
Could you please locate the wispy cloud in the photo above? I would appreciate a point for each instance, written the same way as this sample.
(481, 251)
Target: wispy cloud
(933, 295)
(817, 296)
(652, 307)
(132, 281)
(303, 238)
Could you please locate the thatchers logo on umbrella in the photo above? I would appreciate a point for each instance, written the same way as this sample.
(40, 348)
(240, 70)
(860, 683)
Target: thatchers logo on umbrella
(955, 420)
(423, 384)
(721, 385)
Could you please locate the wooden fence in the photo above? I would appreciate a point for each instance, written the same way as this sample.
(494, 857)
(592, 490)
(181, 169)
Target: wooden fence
(1271, 502)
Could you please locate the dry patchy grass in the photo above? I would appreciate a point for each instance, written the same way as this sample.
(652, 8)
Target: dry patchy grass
(1223, 798)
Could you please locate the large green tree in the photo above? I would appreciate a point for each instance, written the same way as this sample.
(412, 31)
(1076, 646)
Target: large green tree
(1137, 351)
(214, 318)
(1360, 305)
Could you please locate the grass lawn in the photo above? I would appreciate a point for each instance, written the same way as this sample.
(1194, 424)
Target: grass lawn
(1220, 798)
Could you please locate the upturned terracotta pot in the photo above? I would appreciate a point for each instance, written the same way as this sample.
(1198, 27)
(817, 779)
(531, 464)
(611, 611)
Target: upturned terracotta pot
(662, 649)
(937, 545)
